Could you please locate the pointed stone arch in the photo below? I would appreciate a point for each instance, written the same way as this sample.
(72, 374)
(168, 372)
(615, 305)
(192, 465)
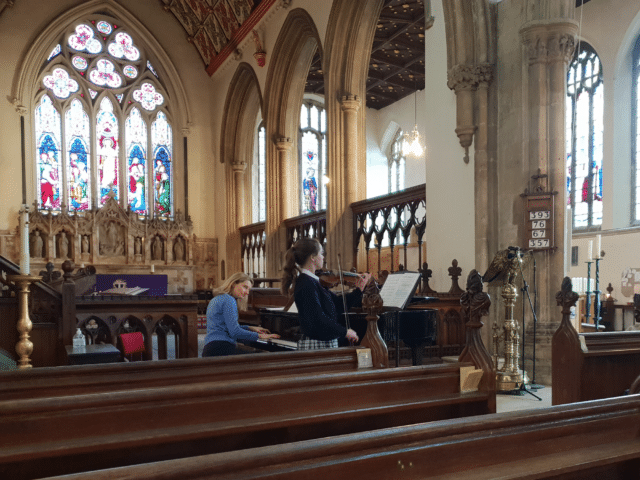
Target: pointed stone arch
(293, 52)
(242, 106)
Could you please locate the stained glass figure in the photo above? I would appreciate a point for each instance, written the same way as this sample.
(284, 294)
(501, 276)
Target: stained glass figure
(123, 47)
(56, 50)
(60, 84)
(313, 152)
(84, 39)
(104, 75)
(107, 146)
(77, 143)
(162, 144)
(48, 135)
(135, 132)
(79, 62)
(148, 97)
(104, 27)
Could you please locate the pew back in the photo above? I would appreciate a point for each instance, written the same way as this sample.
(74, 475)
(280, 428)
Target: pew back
(591, 440)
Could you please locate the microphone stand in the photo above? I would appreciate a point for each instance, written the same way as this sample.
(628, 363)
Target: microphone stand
(525, 289)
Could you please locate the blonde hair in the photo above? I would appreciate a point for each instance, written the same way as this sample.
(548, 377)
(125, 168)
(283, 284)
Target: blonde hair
(296, 256)
(232, 281)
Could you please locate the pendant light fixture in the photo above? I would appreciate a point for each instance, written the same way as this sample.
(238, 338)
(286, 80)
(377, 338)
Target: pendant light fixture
(412, 142)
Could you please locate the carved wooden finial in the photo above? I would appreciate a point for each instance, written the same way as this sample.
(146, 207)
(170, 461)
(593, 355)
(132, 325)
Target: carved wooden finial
(372, 304)
(566, 297)
(454, 273)
(426, 273)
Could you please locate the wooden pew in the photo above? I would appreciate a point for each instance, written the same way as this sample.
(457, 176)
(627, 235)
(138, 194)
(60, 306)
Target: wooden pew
(113, 377)
(61, 435)
(590, 440)
(590, 366)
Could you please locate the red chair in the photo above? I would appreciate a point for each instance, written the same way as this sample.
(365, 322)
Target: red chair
(132, 343)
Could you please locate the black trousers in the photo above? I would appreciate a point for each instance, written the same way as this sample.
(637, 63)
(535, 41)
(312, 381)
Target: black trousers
(218, 348)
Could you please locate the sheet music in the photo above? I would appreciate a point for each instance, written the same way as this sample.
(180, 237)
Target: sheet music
(398, 289)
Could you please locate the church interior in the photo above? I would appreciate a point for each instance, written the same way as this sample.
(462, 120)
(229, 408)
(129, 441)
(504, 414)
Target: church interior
(150, 150)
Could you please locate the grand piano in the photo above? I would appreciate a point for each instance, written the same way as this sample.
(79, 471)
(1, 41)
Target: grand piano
(415, 328)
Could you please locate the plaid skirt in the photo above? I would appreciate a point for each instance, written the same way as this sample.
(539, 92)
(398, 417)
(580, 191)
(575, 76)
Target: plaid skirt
(306, 343)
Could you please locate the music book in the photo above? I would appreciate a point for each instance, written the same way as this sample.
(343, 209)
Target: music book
(398, 289)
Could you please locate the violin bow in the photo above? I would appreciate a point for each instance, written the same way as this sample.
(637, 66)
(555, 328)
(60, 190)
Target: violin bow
(344, 299)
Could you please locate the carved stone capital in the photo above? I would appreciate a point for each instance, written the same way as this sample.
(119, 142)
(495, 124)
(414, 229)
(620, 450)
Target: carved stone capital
(462, 77)
(484, 73)
(549, 43)
(284, 144)
(350, 102)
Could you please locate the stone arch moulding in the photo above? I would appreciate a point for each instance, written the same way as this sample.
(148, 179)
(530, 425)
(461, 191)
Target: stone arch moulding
(388, 136)
(26, 79)
(243, 104)
(295, 47)
(470, 46)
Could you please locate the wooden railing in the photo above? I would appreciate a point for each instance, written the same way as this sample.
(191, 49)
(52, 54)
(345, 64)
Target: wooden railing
(253, 240)
(391, 219)
(56, 312)
(310, 225)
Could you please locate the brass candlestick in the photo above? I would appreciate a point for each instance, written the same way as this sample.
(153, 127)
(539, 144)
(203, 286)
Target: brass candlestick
(24, 347)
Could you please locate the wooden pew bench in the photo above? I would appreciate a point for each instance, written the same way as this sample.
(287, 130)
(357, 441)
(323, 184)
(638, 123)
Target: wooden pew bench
(590, 440)
(61, 435)
(113, 377)
(591, 366)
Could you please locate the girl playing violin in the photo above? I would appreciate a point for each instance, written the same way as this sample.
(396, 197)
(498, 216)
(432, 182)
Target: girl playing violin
(318, 307)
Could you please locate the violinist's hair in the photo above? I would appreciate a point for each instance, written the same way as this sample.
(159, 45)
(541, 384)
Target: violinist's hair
(298, 254)
(232, 281)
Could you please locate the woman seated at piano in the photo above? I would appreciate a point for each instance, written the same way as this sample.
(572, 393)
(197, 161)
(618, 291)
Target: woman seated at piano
(318, 307)
(223, 328)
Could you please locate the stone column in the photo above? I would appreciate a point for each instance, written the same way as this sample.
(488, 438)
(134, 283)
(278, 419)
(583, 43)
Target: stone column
(234, 261)
(280, 200)
(238, 184)
(343, 188)
(549, 44)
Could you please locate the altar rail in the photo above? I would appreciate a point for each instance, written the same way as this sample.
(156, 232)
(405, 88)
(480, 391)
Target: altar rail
(56, 313)
(253, 241)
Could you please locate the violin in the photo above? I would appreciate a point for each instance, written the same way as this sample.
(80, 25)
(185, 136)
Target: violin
(330, 279)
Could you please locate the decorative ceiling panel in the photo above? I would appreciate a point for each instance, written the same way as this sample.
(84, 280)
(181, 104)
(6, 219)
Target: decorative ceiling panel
(216, 27)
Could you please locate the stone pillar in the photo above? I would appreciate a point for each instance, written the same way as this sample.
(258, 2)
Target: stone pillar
(343, 189)
(234, 251)
(280, 199)
(549, 44)
(238, 184)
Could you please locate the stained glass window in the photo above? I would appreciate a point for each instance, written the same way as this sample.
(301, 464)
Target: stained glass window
(107, 145)
(396, 164)
(48, 141)
(161, 141)
(313, 165)
(78, 134)
(584, 110)
(635, 135)
(97, 118)
(136, 138)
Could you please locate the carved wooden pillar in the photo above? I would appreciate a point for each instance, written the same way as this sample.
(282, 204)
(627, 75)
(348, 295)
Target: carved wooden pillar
(281, 204)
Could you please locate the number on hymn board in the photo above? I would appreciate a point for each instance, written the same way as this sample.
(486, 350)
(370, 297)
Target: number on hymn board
(540, 215)
(539, 243)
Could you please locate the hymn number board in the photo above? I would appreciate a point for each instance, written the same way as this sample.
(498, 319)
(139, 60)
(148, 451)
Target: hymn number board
(539, 224)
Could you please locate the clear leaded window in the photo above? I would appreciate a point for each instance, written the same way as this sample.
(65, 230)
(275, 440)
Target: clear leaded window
(396, 164)
(259, 177)
(101, 124)
(584, 110)
(635, 109)
(313, 154)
